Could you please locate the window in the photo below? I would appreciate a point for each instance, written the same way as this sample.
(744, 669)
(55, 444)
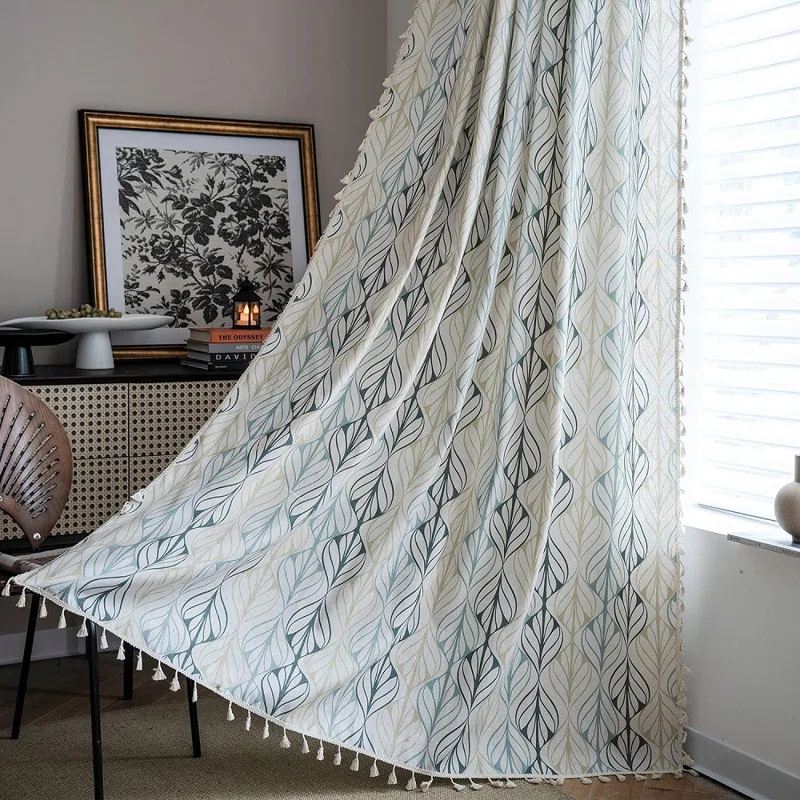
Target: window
(742, 352)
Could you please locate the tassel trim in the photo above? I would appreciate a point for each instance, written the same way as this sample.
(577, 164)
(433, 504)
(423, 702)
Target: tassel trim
(374, 771)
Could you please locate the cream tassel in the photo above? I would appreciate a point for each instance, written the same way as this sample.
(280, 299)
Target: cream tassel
(354, 764)
(230, 716)
(337, 758)
(175, 685)
(638, 777)
(392, 777)
(425, 785)
(285, 743)
(412, 782)
(82, 632)
(476, 787)
(459, 787)
(620, 777)
(139, 662)
(586, 781)
(320, 752)
(265, 735)
(43, 609)
(159, 674)
(509, 784)
(7, 589)
(194, 692)
(21, 601)
(305, 748)
(121, 651)
(62, 620)
(604, 779)
(373, 770)
(248, 722)
(103, 640)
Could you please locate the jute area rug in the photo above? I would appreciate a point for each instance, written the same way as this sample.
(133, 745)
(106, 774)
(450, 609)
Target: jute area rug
(147, 754)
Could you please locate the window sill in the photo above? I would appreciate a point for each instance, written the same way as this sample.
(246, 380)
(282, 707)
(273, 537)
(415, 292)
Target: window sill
(722, 522)
(742, 530)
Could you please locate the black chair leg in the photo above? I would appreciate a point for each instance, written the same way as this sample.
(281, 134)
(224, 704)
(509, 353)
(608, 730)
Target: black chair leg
(94, 702)
(193, 720)
(127, 677)
(22, 687)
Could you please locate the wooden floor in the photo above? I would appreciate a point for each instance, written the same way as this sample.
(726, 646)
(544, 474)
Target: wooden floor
(58, 689)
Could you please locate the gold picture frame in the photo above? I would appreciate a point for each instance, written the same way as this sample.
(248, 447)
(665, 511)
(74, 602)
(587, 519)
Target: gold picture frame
(216, 152)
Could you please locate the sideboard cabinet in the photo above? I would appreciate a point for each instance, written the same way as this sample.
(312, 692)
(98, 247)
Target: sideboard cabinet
(125, 425)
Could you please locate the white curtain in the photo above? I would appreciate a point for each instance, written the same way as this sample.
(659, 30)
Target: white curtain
(436, 522)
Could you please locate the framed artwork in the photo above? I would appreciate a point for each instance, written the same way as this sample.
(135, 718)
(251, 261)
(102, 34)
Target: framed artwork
(179, 210)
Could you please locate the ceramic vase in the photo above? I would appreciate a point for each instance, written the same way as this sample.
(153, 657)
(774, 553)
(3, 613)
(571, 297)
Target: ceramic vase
(787, 505)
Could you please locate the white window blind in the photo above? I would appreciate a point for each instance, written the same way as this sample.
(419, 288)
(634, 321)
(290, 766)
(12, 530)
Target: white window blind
(743, 247)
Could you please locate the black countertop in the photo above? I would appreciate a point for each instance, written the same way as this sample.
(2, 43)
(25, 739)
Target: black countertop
(123, 372)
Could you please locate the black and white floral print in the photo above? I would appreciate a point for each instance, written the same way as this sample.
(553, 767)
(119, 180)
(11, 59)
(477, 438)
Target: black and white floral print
(193, 224)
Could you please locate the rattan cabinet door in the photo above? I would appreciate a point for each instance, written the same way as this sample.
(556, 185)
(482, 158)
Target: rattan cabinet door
(95, 416)
(163, 418)
(123, 436)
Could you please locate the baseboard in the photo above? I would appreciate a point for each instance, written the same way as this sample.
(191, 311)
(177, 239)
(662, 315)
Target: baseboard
(49, 643)
(740, 771)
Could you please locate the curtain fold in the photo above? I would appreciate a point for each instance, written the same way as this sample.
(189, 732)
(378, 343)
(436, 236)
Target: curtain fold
(437, 520)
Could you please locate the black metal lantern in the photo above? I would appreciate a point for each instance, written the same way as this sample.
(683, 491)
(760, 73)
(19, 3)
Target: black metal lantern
(246, 306)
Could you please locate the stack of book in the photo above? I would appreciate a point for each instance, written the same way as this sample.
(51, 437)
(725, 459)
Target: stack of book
(223, 349)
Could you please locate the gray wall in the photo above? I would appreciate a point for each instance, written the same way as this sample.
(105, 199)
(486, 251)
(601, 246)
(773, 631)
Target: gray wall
(398, 13)
(276, 60)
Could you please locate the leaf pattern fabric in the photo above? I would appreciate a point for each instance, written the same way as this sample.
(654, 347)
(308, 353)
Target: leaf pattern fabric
(436, 521)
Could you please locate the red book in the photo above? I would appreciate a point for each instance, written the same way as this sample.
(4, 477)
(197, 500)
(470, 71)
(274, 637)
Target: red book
(229, 335)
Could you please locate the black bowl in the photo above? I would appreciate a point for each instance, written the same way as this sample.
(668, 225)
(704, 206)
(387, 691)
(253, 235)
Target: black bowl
(18, 357)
